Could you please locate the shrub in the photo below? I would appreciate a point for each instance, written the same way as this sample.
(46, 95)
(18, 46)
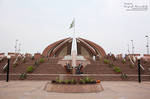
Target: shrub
(41, 60)
(30, 69)
(23, 76)
(131, 66)
(82, 81)
(87, 80)
(60, 81)
(73, 81)
(117, 69)
(123, 61)
(106, 61)
(67, 81)
(57, 80)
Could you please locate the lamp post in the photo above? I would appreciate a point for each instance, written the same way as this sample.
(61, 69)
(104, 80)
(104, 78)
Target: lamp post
(8, 57)
(132, 47)
(16, 46)
(128, 49)
(139, 69)
(147, 44)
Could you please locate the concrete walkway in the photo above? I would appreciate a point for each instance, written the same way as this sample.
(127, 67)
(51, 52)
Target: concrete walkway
(112, 90)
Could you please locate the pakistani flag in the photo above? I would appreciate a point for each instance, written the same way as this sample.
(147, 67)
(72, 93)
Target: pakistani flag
(72, 24)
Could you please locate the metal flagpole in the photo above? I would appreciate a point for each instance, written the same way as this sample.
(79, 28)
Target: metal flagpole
(74, 51)
(74, 26)
(74, 36)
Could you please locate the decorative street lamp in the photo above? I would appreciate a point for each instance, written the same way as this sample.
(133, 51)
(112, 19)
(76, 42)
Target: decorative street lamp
(8, 57)
(147, 44)
(128, 49)
(139, 69)
(16, 46)
(132, 47)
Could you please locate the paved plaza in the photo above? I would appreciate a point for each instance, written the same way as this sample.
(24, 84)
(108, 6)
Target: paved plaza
(112, 90)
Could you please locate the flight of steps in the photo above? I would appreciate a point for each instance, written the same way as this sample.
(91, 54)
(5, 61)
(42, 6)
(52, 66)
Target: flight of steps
(2, 63)
(102, 71)
(97, 67)
(128, 70)
(146, 66)
(20, 68)
(50, 69)
(50, 66)
(125, 67)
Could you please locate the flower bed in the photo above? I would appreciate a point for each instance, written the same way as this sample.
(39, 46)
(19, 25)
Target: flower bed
(85, 80)
(73, 88)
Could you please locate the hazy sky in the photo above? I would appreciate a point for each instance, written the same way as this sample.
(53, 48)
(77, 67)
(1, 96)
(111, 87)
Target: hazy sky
(38, 23)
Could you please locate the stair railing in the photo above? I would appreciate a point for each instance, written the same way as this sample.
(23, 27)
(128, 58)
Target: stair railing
(134, 60)
(140, 64)
(23, 57)
(16, 59)
(131, 60)
(5, 67)
(1, 58)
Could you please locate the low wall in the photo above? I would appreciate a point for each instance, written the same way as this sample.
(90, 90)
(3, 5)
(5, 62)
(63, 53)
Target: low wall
(102, 77)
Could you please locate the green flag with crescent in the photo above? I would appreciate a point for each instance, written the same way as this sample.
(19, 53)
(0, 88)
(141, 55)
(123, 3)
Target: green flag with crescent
(72, 24)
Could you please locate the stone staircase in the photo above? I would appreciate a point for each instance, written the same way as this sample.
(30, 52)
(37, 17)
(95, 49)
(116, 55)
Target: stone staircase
(50, 66)
(20, 68)
(49, 70)
(99, 67)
